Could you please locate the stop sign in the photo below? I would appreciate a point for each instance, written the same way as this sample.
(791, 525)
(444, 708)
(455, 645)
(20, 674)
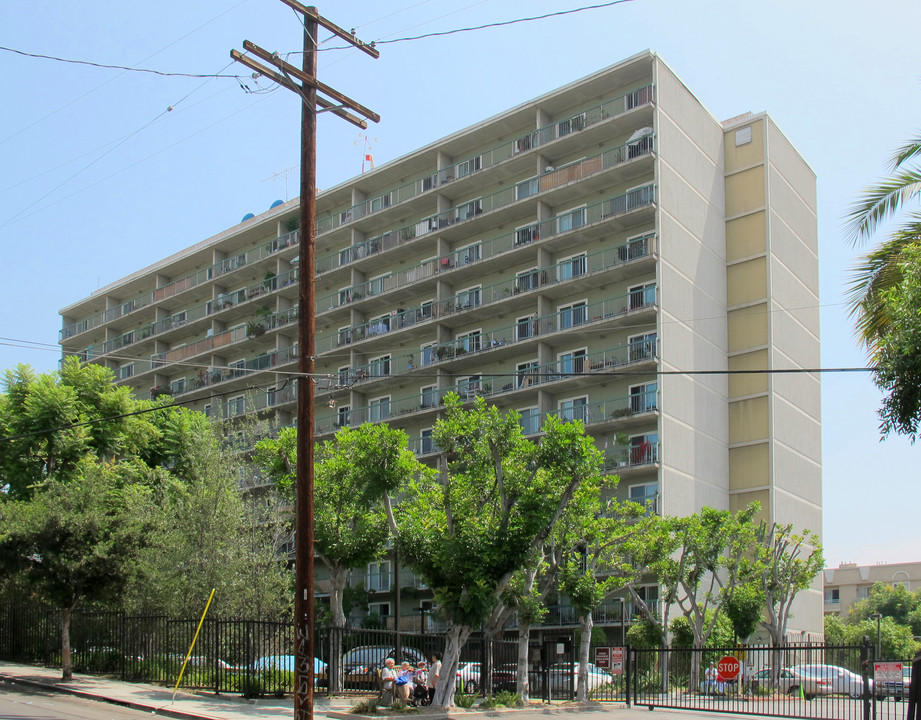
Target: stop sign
(728, 667)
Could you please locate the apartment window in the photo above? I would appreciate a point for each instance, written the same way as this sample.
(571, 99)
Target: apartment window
(379, 367)
(345, 256)
(572, 315)
(524, 327)
(527, 280)
(572, 267)
(529, 418)
(467, 255)
(381, 202)
(379, 578)
(524, 143)
(570, 220)
(427, 442)
(429, 396)
(427, 183)
(379, 409)
(643, 398)
(570, 125)
(344, 335)
(469, 342)
(469, 298)
(126, 371)
(527, 374)
(382, 610)
(644, 494)
(642, 347)
(642, 296)
(270, 397)
(644, 449)
(526, 189)
(344, 375)
(208, 410)
(377, 284)
(178, 319)
(469, 166)
(469, 387)
(649, 595)
(237, 368)
(379, 325)
(428, 353)
(343, 416)
(639, 97)
(574, 409)
(467, 210)
(524, 235)
(236, 406)
(634, 248)
(639, 197)
(863, 592)
(427, 310)
(345, 296)
(345, 216)
(572, 362)
(832, 596)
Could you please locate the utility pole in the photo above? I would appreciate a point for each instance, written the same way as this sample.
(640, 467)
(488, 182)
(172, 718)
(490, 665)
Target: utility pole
(307, 88)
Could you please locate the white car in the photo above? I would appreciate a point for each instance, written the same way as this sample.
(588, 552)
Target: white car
(838, 679)
(469, 673)
(559, 679)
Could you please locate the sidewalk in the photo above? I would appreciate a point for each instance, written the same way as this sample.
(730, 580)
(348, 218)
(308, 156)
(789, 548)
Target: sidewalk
(208, 706)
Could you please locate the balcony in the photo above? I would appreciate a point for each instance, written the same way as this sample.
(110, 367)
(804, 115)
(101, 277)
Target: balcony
(185, 283)
(457, 172)
(216, 376)
(469, 210)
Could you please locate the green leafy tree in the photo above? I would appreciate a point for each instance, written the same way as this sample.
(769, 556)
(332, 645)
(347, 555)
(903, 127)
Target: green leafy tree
(896, 602)
(600, 561)
(896, 641)
(495, 505)
(50, 422)
(884, 293)
(354, 475)
(898, 349)
(76, 542)
(745, 609)
(786, 563)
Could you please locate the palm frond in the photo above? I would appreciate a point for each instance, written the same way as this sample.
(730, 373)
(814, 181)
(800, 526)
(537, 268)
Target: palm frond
(905, 153)
(872, 277)
(880, 202)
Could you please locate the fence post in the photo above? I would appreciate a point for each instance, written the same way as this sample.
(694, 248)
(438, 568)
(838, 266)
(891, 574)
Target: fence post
(864, 668)
(628, 672)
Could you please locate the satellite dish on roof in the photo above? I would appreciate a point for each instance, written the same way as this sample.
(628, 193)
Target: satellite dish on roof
(276, 204)
(248, 216)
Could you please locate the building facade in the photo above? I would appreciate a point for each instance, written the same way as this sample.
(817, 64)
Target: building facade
(607, 252)
(849, 583)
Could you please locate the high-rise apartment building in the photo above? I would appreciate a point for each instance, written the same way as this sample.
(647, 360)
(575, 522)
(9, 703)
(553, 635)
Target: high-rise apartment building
(608, 252)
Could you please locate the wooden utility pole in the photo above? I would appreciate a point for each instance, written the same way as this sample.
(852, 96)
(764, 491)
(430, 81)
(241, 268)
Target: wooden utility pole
(307, 88)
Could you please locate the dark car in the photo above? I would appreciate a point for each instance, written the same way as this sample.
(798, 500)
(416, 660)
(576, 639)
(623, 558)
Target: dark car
(361, 663)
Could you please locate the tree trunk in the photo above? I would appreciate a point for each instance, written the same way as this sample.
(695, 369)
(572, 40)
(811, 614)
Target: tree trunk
(585, 642)
(523, 683)
(337, 581)
(444, 689)
(66, 660)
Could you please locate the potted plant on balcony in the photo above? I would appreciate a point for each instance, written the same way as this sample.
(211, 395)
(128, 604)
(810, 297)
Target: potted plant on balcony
(268, 282)
(623, 444)
(157, 391)
(259, 325)
(410, 361)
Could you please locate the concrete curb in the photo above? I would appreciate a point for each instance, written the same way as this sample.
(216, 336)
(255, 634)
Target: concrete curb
(144, 707)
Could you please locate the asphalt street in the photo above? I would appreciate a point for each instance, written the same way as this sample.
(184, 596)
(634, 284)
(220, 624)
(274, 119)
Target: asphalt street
(18, 702)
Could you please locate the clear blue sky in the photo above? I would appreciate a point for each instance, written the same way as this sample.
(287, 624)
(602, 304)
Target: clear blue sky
(99, 180)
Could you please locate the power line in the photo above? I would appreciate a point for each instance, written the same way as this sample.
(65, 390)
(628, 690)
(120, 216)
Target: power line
(125, 68)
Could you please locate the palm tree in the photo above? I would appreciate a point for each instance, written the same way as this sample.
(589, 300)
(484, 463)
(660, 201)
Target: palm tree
(880, 270)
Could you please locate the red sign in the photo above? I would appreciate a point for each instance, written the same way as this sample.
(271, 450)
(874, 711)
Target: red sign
(728, 667)
(603, 657)
(617, 661)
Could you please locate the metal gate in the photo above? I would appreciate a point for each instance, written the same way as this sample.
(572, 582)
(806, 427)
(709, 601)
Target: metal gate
(799, 681)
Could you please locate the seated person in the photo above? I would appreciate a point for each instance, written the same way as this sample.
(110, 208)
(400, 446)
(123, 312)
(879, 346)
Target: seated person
(403, 681)
(389, 674)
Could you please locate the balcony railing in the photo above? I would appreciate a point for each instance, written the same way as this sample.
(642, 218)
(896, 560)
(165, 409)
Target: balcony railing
(626, 252)
(499, 384)
(543, 135)
(185, 283)
(629, 457)
(469, 209)
(568, 318)
(208, 378)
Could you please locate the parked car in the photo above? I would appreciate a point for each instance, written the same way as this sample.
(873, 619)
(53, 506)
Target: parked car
(831, 679)
(286, 663)
(561, 672)
(361, 663)
(469, 673)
